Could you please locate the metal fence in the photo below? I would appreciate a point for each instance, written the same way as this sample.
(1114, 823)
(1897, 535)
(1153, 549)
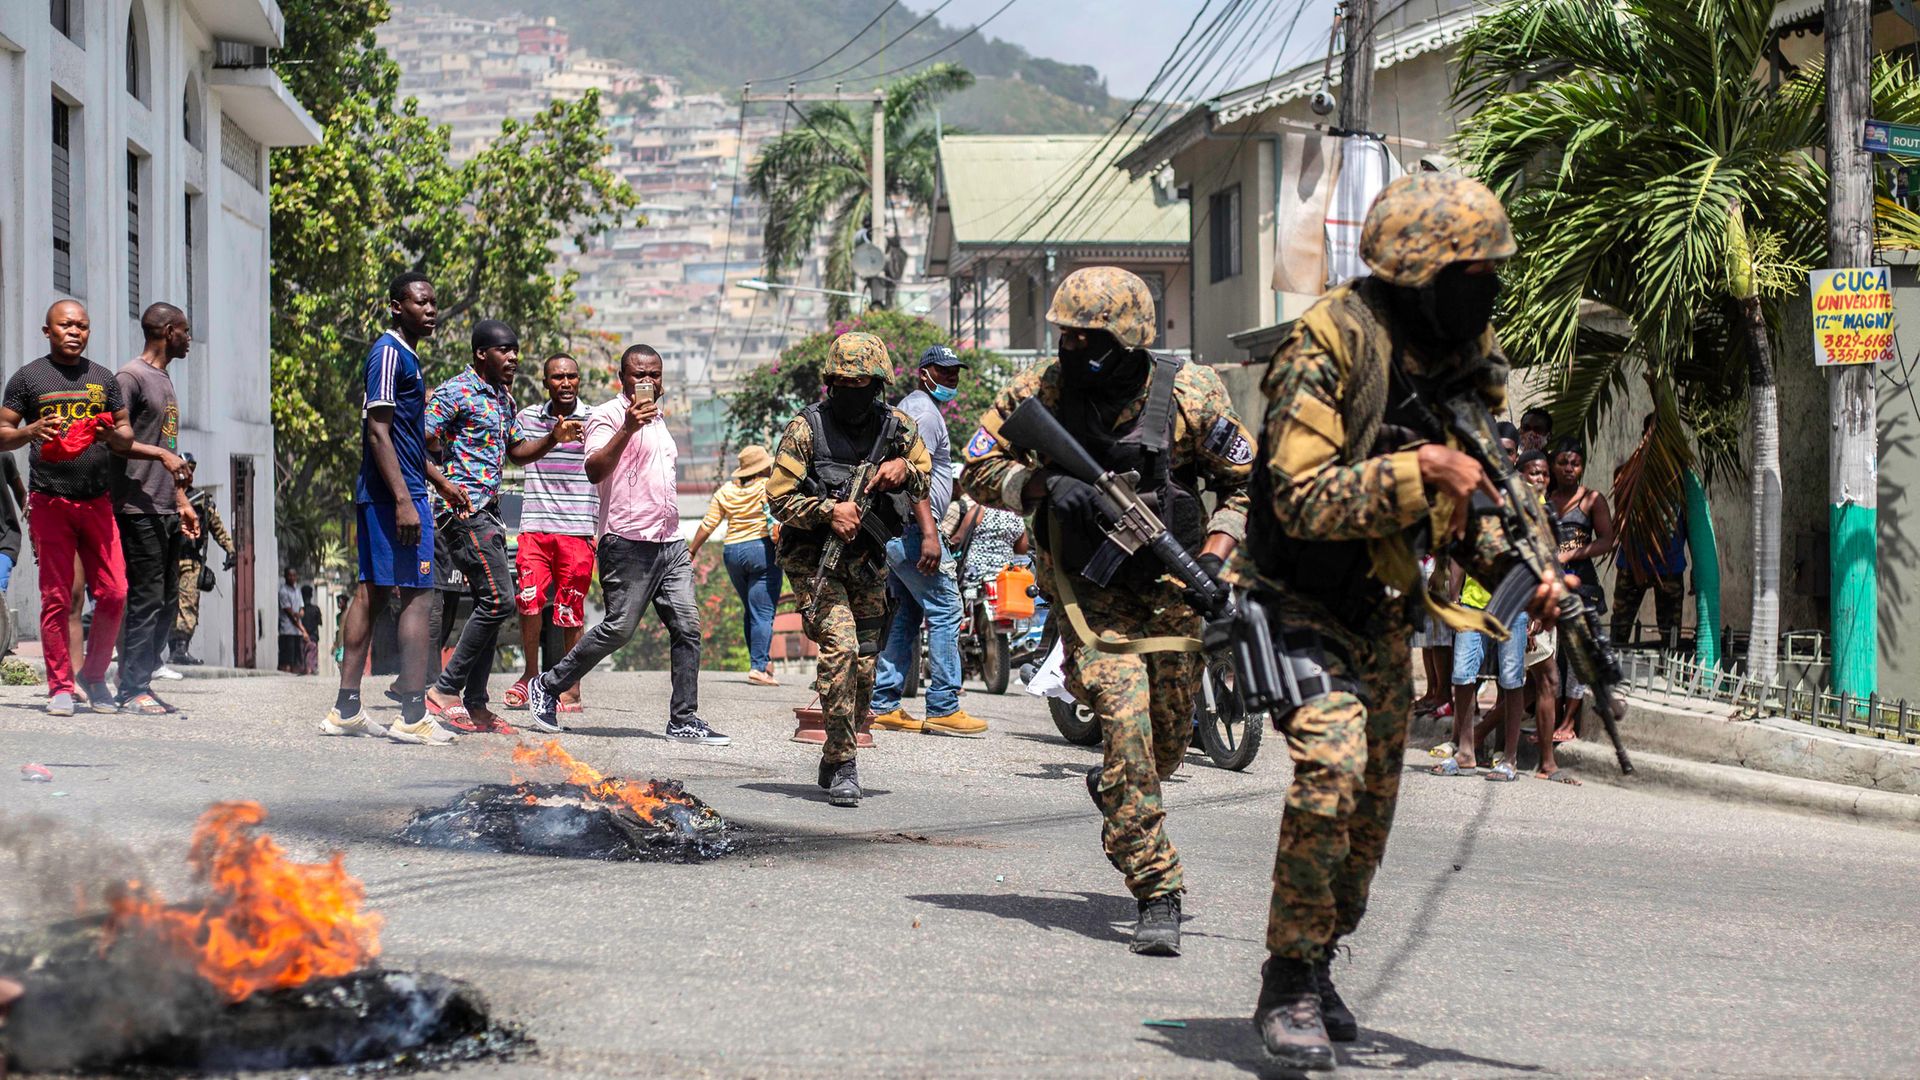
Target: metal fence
(1665, 673)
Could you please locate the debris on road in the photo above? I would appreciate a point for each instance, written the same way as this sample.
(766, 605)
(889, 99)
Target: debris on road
(34, 771)
(1164, 1023)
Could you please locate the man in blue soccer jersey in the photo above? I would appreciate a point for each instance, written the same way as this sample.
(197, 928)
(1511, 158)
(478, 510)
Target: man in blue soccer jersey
(394, 524)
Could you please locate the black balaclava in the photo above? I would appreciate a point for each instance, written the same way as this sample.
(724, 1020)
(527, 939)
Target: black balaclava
(1102, 369)
(852, 406)
(1452, 309)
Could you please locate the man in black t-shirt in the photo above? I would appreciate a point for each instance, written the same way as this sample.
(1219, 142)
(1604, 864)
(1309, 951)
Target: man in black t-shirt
(151, 508)
(79, 422)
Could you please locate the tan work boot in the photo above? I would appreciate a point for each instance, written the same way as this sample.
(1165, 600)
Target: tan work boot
(958, 723)
(897, 720)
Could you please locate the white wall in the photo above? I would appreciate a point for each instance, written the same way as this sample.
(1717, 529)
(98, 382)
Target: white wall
(223, 382)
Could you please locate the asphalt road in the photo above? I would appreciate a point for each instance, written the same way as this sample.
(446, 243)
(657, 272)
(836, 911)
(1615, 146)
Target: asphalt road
(963, 922)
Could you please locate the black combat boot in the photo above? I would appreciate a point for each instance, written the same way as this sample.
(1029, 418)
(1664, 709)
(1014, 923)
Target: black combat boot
(845, 789)
(1157, 933)
(1341, 1026)
(827, 769)
(1288, 1016)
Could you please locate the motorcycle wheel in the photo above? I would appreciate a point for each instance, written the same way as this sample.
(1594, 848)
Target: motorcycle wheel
(910, 678)
(1229, 736)
(995, 667)
(1076, 722)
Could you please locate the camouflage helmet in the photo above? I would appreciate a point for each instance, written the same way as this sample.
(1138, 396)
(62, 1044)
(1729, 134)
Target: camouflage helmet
(856, 354)
(1424, 221)
(1105, 298)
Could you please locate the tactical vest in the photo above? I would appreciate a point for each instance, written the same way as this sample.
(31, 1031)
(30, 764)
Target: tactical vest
(1172, 492)
(1383, 408)
(837, 454)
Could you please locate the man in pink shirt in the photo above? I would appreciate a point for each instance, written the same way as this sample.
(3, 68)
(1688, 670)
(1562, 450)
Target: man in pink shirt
(631, 456)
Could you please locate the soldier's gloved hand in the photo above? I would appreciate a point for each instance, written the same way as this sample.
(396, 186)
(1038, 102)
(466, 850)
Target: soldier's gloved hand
(1075, 502)
(1211, 565)
(228, 565)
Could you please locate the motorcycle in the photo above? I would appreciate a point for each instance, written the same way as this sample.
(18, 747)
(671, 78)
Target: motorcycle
(1225, 731)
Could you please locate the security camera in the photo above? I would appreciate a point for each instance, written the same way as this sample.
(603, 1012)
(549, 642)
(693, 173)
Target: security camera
(1323, 102)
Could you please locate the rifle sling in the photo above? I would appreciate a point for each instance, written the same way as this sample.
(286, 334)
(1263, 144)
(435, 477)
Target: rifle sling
(1109, 642)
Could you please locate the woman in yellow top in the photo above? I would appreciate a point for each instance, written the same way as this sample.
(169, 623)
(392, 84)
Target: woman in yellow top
(739, 511)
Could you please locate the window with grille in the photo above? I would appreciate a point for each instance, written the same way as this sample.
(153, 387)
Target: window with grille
(240, 152)
(133, 234)
(136, 54)
(1223, 233)
(65, 15)
(62, 197)
(192, 261)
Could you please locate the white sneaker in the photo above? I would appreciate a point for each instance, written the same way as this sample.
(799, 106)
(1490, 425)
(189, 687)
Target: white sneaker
(425, 731)
(60, 705)
(165, 672)
(357, 724)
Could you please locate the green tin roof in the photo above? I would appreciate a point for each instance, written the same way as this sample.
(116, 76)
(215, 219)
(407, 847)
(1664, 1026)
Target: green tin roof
(996, 186)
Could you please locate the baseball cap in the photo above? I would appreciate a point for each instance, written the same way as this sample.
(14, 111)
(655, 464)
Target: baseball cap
(941, 356)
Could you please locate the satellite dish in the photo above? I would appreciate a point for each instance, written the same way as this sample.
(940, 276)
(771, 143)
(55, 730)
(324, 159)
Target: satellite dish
(869, 261)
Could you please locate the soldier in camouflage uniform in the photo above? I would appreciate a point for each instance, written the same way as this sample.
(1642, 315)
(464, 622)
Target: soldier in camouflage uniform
(1131, 653)
(1356, 478)
(846, 614)
(194, 557)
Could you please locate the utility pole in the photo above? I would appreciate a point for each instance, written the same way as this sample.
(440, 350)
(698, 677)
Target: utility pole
(1356, 67)
(1854, 470)
(877, 228)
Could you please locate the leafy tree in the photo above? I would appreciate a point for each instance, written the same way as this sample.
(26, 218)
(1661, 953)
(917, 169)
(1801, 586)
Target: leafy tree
(379, 196)
(818, 176)
(763, 400)
(1667, 198)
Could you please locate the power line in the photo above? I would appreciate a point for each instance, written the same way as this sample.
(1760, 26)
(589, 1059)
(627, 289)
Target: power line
(891, 4)
(883, 48)
(970, 32)
(726, 252)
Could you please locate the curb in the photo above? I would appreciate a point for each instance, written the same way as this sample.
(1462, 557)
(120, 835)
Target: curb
(1596, 764)
(202, 671)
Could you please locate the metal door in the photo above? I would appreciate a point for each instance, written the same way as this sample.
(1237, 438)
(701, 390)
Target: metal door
(246, 626)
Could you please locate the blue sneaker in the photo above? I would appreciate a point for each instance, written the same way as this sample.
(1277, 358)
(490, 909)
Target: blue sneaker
(543, 706)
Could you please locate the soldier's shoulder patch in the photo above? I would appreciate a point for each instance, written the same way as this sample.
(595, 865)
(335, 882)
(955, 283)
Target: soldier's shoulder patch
(980, 445)
(1228, 441)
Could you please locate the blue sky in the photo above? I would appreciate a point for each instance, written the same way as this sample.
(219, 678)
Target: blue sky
(1127, 40)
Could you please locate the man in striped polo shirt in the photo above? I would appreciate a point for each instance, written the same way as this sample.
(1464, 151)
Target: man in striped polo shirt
(559, 512)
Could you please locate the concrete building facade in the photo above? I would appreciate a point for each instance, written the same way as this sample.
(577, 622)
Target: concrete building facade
(133, 168)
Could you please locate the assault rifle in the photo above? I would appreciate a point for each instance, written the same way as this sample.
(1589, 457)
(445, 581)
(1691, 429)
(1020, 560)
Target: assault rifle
(1529, 534)
(1133, 526)
(835, 550)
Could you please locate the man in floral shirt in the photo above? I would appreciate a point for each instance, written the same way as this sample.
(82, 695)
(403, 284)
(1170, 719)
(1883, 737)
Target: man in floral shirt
(471, 431)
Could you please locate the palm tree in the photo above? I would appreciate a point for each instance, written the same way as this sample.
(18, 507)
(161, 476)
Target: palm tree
(817, 176)
(1656, 175)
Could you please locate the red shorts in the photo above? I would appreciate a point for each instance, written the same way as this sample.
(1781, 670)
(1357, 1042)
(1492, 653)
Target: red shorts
(563, 562)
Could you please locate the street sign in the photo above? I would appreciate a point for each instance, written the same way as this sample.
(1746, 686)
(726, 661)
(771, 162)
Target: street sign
(1881, 137)
(1852, 316)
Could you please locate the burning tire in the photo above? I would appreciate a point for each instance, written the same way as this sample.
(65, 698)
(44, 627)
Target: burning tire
(562, 819)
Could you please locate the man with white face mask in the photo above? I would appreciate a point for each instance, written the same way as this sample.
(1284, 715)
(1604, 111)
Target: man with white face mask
(922, 585)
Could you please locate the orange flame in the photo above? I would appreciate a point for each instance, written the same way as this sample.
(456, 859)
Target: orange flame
(270, 922)
(643, 799)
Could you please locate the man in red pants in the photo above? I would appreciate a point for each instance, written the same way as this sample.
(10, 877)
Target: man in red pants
(79, 423)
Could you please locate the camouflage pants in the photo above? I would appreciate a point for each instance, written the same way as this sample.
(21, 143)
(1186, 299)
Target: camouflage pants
(187, 619)
(843, 678)
(1145, 706)
(1346, 754)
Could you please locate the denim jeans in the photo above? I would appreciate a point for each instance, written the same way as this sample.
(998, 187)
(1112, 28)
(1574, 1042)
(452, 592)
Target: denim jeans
(756, 577)
(1468, 645)
(477, 546)
(6, 571)
(934, 597)
(633, 574)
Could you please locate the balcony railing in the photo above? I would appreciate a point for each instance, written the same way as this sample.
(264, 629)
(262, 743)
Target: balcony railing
(239, 54)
